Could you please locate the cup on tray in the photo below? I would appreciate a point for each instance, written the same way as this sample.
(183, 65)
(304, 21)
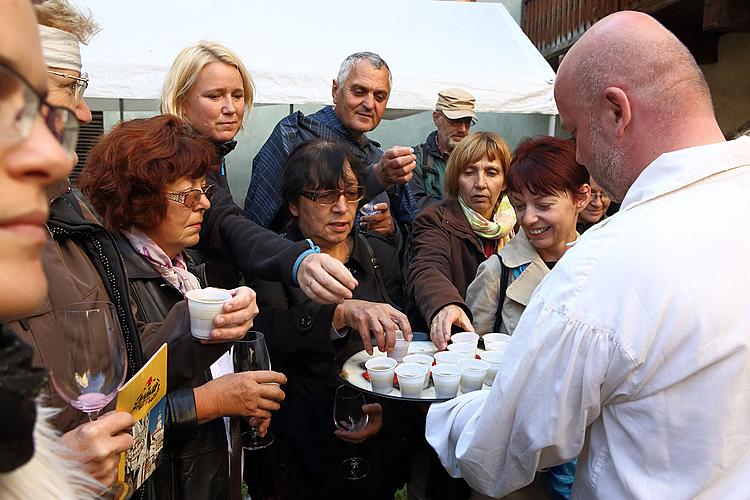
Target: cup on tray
(465, 338)
(446, 377)
(496, 341)
(474, 372)
(422, 359)
(448, 357)
(494, 359)
(411, 379)
(380, 370)
(204, 305)
(468, 349)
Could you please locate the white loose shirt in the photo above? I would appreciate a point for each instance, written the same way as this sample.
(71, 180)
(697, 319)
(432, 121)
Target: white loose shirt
(634, 352)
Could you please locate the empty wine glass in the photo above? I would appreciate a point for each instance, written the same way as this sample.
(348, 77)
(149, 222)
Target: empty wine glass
(93, 363)
(251, 354)
(349, 417)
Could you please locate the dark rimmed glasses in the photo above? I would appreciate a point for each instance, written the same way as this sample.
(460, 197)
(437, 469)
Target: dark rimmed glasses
(468, 121)
(330, 197)
(80, 84)
(19, 106)
(599, 196)
(191, 197)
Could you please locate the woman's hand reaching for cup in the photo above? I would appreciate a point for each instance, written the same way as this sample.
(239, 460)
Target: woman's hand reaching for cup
(440, 327)
(236, 317)
(372, 318)
(374, 414)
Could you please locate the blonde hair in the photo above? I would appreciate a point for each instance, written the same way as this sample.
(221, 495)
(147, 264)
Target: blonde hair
(472, 149)
(186, 68)
(61, 15)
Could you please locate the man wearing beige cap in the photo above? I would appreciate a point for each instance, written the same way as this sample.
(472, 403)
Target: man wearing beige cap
(453, 116)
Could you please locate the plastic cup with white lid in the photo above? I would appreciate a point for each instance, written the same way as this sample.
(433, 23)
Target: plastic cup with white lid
(204, 304)
(446, 378)
(411, 379)
(474, 372)
(422, 359)
(494, 359)
(380, 369)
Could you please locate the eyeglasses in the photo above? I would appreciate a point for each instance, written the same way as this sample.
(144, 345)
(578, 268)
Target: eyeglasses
(468, 121)
(599, 196)
(80, 85)
(19, 106)
(330, 197)
(191, 197)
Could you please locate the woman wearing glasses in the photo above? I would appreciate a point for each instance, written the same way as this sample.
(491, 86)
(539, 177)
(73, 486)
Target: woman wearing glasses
(147, 179)
(321, 193)
(597, 208)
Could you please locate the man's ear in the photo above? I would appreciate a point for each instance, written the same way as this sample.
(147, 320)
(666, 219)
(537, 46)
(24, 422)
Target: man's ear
(435, 117)
(334, 90)
(616, 113)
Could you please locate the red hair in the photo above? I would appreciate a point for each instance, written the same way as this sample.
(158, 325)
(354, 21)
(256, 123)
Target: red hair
(546, 166)
(129, 169)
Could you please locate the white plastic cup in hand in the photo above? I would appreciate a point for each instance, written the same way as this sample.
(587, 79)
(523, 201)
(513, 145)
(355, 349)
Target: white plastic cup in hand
(496, 341)
(474, 372)
(400, 348)
(446, 378)
(422, 359)
(411, 379)
(494, 359)
(204, 305)
(468, 349)
(448, 357)
(380, 370)
(465, 337)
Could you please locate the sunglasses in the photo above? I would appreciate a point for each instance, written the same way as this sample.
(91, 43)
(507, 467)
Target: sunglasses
(330, 197)
(191, 197)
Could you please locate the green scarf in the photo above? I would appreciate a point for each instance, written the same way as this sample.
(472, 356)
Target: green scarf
(500, 228)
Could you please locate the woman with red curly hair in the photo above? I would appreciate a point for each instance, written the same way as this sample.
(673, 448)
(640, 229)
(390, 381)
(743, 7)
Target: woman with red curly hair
(147, 179)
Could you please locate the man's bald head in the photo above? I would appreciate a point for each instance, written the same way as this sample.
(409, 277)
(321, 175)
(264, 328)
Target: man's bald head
(630, 91)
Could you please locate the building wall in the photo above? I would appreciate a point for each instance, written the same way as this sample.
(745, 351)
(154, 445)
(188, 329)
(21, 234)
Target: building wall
(729, 80)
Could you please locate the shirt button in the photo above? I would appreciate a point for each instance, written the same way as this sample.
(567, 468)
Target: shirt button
(305, 322)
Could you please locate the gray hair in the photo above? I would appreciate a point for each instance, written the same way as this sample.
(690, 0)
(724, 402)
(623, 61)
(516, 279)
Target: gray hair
(62, 15)
(375, 61)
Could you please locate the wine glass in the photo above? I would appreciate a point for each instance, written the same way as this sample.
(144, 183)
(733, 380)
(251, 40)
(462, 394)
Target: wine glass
(349, 417)
(251, 354)
(93, 364)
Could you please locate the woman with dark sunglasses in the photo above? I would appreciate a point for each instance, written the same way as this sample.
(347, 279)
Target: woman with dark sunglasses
(321, 193)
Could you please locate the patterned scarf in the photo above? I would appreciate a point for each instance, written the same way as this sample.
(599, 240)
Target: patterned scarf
(500, 228)
(175, 272)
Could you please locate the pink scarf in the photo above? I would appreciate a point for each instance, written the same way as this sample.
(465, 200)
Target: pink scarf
(175, 272)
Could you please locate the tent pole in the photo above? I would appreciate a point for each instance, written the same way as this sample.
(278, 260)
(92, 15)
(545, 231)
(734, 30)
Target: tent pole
(121, 105)
(291, 109)
(551, 125)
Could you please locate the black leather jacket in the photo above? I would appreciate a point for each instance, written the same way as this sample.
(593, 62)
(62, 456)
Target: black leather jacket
(194, 461)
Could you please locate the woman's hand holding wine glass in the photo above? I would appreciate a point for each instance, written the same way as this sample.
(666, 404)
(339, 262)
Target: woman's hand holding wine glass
(350, 417)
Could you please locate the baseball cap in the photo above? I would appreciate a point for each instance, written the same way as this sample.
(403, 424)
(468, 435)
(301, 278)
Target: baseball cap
(455, 104)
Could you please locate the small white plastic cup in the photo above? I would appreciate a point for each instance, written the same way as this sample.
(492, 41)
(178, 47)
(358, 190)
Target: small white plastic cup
(465, 337)
(446, 378)
(448, 357)
(422, 359)
(401, 348)
(468, 349)
(496, 341)
(474, 372)
(204, 305)
(380, 370)
(411, 379)
(494, 359)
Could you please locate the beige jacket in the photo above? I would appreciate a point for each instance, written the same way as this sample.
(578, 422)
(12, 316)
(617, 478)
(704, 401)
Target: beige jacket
(483, 293)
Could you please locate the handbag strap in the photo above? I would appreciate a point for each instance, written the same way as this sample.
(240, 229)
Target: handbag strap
(378, 275)
(504, 277)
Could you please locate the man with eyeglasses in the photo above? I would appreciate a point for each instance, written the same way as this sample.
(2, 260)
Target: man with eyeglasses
(453, 117)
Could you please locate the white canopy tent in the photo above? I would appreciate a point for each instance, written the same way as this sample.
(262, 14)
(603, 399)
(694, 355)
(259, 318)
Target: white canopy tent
(293, 49)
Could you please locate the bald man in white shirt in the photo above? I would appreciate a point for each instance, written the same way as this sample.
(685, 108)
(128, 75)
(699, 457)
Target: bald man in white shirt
(634, 352)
